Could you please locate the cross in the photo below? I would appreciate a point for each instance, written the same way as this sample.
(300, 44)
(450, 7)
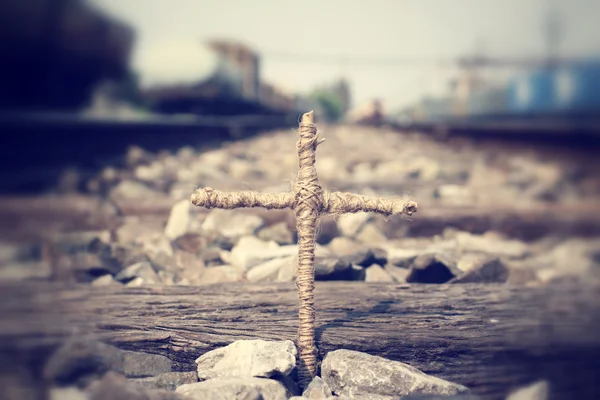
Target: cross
(308, 200)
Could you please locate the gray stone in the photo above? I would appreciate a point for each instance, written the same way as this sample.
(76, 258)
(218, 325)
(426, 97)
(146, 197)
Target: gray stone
(250, 252)
(136, 282)
(73, 242)
(179, 220)
(141, 365)
(327, 230)
(343, 246)
(38, 270)
(78, 362)
(317, 389)
(122, 256)
(150, 173)
(402, 257)
(269, 271)
(105, 280)
(491, 244)
(154, 244)
(358, 273)
(351, 224)
(212, 256)
(167, 380)
(432, 268)
(133, 227)
(114, 386)
(455, 194)
(391, 169)
(132, 190)
(232, 224)
(482, 269)
(278, 233)
(234, 389)
(521, 276)
(370, 234)
(539, 390)
(375, 273)
(365, 256)
(353, 373)
(399, 274)
(142, 270)
(329, 268)
(248, 358)
(66, 393)
(221, 274)
(167, 277)
(423, 168)
(137, 156)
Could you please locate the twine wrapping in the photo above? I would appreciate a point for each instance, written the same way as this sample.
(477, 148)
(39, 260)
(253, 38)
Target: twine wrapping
(308, 200)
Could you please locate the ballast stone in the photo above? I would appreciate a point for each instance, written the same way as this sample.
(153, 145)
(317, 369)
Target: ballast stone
(235, 388)
(352, 373)
(248, 358)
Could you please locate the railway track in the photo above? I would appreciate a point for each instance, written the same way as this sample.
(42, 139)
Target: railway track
(576, 133)
(37, 147)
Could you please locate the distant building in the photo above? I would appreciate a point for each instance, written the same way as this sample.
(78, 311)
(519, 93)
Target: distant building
(246, 59)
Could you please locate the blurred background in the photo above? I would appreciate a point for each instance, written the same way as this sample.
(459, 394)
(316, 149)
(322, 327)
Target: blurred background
(230, 68)
(485, 112)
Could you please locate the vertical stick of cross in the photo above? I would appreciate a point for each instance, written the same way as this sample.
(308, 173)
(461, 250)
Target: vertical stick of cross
(308, 200)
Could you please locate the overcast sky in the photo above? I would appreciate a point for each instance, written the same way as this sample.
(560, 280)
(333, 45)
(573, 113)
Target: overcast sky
(360, 28)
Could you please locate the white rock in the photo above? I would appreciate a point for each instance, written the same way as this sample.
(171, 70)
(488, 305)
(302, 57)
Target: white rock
(268, 271)
(351, 224)
(136, 282)
(455, 194)
(352, 373)
(142, 270)
(329, 168)
(149, 173)
(425, 169)
(402, 257)
(278, 232)
(27, 270)
(398, 274)
(371, 234)
(317, 389)
(375, 273)
(343, 246)
(391, 169)
(220, 274)
(132, 190)
(179, 220)
(248, 358)
(251, 251)
(231, 224)
(536, 391)
(234, 389)
(155, 243)
(508, 248)
(104, 280)
(67, 393)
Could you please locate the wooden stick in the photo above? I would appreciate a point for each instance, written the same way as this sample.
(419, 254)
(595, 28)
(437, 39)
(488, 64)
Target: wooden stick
(489, 338)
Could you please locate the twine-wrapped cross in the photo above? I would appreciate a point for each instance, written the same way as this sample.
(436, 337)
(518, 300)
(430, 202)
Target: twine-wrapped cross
(308, 200)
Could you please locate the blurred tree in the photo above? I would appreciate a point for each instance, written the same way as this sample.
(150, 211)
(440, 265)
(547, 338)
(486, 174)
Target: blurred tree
(128, 89)
(330, 103)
